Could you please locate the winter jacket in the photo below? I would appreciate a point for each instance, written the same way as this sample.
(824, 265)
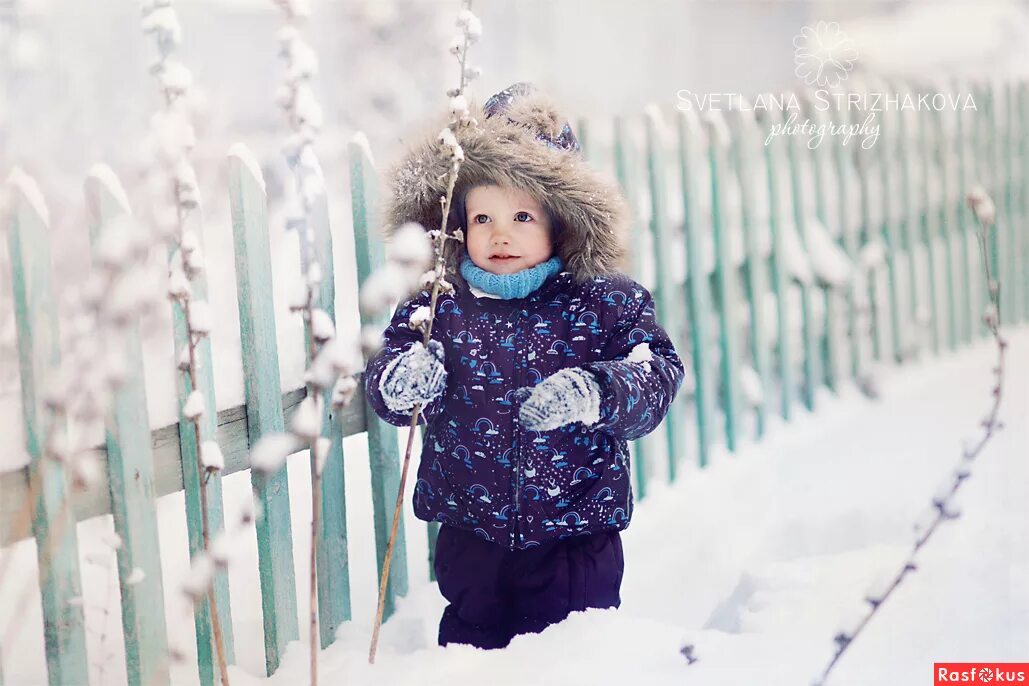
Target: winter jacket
(479, 469)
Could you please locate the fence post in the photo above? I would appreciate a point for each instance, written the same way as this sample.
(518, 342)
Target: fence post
(1023, 146)
(725, 275)
(851, 225)
(1011, 227)
(808, 333)
(383, 446)
(890, 232)
(940, 156)
(907, 227)
(333, 559)
(698, 297)
(53, 523)
(962, 143)
(780, 282)
(869, 230)
(207, 663)
(828, 349)
(744, 140)
(263, 400)
(929, 227)
(624, 173)
(663, 242)
(130, 474)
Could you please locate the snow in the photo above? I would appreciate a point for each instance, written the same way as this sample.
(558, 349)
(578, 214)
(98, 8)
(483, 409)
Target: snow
(361, 140)
(163, 20)
(106, 176)
(873, 254)
(641, 353)
(982, 206)
(194, 405)
(759, 585)
(175, 76)
(471, 24)
(242, 153)
(306, 106)
(751, 386)
(420, 316)
(307, 421)
(411, 247)
(30, 190)
(211, 455)
(322, 327)
(796, 258)
(199, 315)
(271, 451)
(828, 260)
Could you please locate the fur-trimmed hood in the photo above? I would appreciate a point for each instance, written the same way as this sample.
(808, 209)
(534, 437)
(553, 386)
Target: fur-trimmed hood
(510, 148)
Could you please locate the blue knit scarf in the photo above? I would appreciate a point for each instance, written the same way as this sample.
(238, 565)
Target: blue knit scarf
(508, 286)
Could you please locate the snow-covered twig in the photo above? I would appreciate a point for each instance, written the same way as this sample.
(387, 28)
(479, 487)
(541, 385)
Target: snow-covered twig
(328, 355)
(470, 31)
(944, 504)
(112, 542)
(178, 195)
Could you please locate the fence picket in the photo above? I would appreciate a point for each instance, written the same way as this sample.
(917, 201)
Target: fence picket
(624, 172)
(663, 243)
(383, 446)
(263, 401)
(53, 525)
(726, 275)
(744, 143)
(130, 474)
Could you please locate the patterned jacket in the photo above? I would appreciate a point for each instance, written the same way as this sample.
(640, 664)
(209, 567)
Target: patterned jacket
(479, 469)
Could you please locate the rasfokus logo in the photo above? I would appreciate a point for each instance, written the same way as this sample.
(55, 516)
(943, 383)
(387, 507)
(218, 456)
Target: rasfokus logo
(824, 55)
(980, 673)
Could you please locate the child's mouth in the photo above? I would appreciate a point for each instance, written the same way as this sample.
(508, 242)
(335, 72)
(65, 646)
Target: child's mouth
(503, 258)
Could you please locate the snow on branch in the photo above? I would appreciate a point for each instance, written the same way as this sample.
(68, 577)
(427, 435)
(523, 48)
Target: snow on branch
(944, 504)
(407, 259)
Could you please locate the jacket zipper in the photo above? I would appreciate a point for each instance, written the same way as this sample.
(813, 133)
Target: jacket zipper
(516, 534)
(517, 481)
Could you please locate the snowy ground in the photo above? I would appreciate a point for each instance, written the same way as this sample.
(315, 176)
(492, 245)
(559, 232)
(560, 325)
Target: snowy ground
(756, 561)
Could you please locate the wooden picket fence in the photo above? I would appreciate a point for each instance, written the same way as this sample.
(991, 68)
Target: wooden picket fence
(742, 220)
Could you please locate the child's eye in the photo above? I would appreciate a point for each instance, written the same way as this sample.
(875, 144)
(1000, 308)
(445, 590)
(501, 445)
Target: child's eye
(523, 217)
(481, 219)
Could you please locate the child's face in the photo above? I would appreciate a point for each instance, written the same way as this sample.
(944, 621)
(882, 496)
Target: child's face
(508, 229)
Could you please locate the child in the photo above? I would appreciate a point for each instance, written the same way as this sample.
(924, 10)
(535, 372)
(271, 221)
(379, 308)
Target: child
(542, 365)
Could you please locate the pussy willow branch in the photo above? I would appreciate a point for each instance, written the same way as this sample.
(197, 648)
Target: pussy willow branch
(166, 45)
(441, 247)
(990, 427)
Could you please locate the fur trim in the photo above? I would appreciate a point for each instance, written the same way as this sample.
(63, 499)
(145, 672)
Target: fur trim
(504, 150)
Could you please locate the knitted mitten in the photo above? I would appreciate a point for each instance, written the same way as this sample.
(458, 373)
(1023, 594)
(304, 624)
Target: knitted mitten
(416, 376)
(570, 395)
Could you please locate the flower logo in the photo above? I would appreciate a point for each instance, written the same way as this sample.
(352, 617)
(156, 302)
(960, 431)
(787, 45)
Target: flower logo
(823, 54)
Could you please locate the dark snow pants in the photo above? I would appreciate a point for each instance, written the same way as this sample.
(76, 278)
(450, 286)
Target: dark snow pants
(496, 593)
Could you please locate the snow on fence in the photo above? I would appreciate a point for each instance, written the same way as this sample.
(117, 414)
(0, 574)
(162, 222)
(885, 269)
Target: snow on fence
(815, 264)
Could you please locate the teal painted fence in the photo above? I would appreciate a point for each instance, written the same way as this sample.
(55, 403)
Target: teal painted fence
(782, 272)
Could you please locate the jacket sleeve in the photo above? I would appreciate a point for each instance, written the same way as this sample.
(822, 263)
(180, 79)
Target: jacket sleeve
(397, 338)
(636, 393)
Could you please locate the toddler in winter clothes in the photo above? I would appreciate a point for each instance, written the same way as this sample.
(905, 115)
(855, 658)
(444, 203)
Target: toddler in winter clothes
(542, 365)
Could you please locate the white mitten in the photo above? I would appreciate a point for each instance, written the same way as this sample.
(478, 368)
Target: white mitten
(416, 376)
(570, 395)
